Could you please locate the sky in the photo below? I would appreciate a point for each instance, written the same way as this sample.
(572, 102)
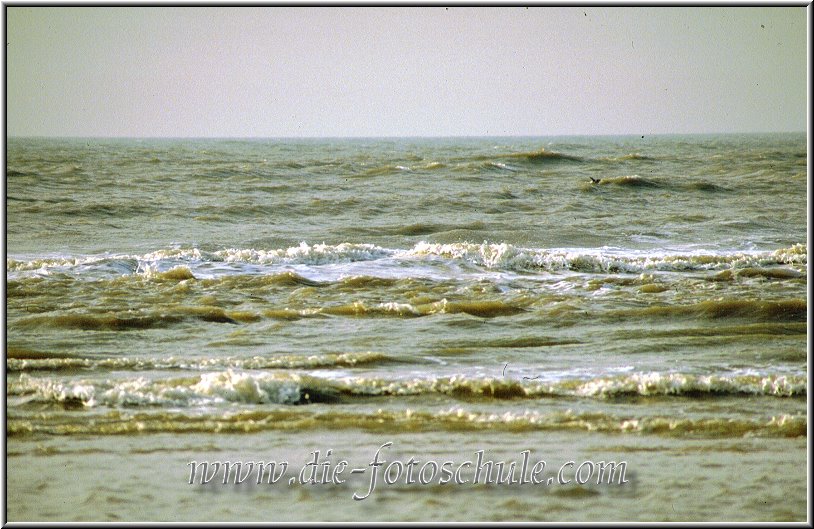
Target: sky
(413, 71)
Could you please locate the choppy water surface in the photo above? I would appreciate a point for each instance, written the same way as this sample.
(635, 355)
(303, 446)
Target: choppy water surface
(638, 299)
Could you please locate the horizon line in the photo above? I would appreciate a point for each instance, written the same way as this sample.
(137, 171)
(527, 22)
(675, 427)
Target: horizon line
(396, 137)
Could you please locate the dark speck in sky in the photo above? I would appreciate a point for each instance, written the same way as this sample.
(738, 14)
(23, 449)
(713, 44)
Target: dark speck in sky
(762, 26)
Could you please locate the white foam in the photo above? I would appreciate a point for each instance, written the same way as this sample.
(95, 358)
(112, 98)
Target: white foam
(500, 257)
(305, 254)
(210, 388)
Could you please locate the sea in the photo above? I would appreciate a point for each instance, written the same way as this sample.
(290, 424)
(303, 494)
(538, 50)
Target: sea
(546, 329)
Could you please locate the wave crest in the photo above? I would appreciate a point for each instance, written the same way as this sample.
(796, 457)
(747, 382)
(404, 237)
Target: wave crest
(508, 257)
(182, 264)
(543, 156)
(305, 254)
(455, 419)
(232, 386)
(44, 362)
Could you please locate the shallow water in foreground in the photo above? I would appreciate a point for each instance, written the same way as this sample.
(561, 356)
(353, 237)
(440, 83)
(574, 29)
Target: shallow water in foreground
(171, 301)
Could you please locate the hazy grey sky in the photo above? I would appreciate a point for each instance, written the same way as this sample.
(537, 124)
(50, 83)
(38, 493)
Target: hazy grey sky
(420, 71)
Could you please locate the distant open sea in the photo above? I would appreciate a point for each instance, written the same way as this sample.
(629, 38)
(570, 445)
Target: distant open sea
(585, 299)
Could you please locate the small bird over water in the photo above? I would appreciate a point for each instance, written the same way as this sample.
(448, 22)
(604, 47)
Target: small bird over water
(595, 180)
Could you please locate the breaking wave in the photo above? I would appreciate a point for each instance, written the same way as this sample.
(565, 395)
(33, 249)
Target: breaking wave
(230, 385)
(509, 257)
(175, 265)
